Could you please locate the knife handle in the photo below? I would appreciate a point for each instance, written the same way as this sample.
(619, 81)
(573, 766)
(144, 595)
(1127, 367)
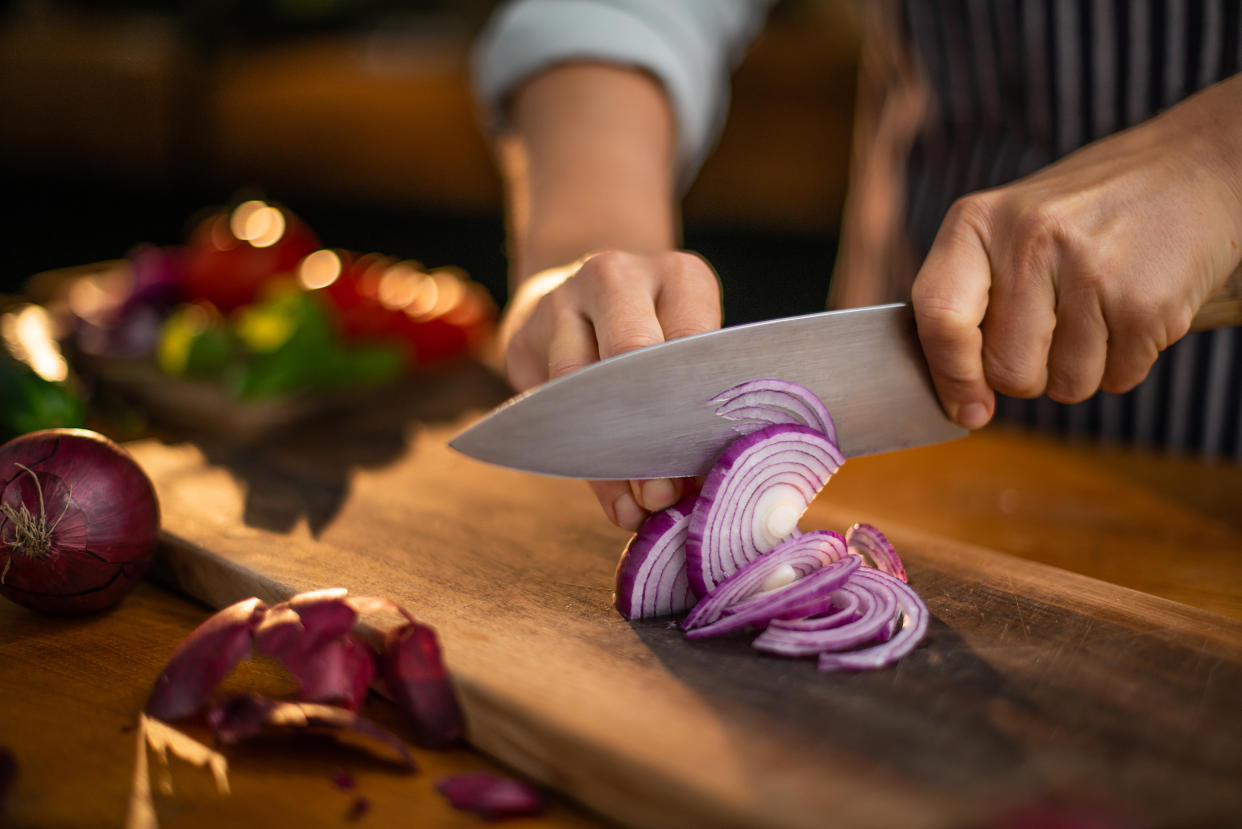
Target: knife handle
(1224, 308)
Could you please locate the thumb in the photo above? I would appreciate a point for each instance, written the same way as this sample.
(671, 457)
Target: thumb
(950, 298)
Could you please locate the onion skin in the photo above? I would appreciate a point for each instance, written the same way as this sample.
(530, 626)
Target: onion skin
(101, 512)
(415, 675)
(242, 716)
(489, 796)
(204, 659)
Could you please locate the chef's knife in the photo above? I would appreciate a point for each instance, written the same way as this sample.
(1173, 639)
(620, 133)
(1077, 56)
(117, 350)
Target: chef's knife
(645, 414)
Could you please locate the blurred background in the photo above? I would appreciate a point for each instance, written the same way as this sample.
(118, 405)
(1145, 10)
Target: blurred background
(122, 121)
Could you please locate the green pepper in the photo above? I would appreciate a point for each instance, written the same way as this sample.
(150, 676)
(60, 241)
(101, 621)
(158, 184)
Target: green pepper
(194, 342)
(32, 403)
(293, 347)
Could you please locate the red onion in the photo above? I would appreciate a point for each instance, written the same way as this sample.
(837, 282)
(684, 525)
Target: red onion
(745, 559)
(759, 403)
(753, 497)
(79, 521)
(915, 617)
(788, 561)
(417, 679)
(875, 548)
(651, 575)
(805, 597)
(809, 636)
(489, 796)
(312, 634)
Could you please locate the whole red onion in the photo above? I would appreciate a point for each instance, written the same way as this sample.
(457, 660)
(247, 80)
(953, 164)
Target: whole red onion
(79, 521)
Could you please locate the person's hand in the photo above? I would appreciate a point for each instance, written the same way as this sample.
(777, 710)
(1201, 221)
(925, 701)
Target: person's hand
(1074, 279)
(563, 319)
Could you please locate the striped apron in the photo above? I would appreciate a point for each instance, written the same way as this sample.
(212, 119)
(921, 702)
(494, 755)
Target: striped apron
(961, 95)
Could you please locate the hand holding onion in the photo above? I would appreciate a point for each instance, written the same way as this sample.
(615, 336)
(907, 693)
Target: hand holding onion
(79, 521)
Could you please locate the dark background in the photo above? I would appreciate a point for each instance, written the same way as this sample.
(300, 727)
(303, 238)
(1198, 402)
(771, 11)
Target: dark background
(122, 121)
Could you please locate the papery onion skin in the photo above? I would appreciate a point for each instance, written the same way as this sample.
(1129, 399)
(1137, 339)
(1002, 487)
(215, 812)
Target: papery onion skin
(651, 575)
(416, 677)
(101, 513)
(489, 796)
(203, 659)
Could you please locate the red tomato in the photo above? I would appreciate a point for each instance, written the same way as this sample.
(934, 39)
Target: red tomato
(229, 270)
(355, 303)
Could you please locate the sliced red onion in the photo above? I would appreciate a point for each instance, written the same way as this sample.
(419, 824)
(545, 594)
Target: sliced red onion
(804, 640)
(753, 498)
(805, 597)
(415, 675)
(847, 605)
(204, 659)
(756, 404)
(875, 548)
(651, 575)
(915, 618)
(490, 796)
(240, 716)
(787, 562)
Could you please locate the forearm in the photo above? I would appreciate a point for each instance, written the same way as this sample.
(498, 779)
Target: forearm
(588, 165)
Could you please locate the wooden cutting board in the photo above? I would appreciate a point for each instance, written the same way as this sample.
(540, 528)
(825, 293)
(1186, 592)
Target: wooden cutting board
(1039, 693)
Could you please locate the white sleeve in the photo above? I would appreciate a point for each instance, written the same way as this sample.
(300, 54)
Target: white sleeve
(690, 46)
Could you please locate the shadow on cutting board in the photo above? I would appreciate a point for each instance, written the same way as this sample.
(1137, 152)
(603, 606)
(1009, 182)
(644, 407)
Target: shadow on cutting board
(303, 471)
(1010, 705)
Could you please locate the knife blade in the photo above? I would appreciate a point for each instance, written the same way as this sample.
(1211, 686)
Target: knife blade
(645, 413)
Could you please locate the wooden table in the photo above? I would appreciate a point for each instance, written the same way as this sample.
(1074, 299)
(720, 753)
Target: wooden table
(71, 688)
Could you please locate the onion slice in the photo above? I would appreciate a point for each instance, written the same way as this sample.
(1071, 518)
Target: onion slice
(651, 576)
(805, 597)
(875, 548)
(790, 560)
(915, 617)
(759, 403)
(753, 497)
(808, 639)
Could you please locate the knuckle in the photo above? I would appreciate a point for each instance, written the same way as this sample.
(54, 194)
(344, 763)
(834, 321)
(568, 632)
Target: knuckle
(941, 317)
(972, 212)
(558, 367)
(1066, 386)
(1038, 235)
(624, 338)
(1007, 376)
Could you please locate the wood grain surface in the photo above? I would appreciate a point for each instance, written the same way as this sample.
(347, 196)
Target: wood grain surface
(1039, 691)
(70, 691)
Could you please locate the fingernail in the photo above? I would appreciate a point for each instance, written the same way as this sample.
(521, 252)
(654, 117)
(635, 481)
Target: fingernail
(973, 415)
(629, 513)
(658, 493)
